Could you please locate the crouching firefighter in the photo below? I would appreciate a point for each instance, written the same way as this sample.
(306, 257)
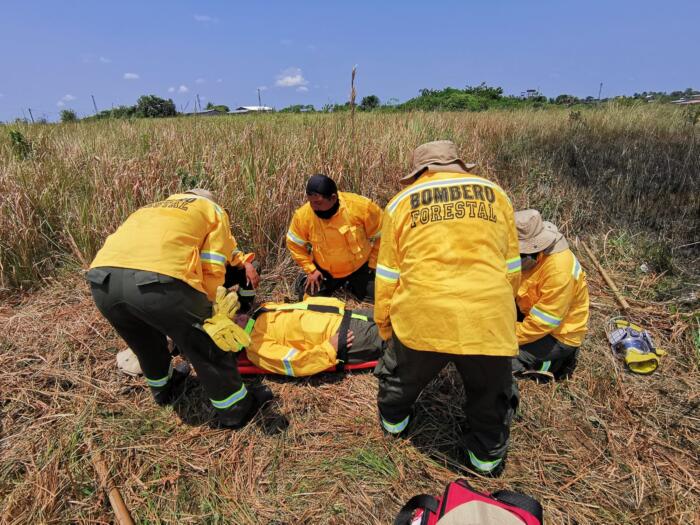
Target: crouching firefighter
(309, 337)
(334, 238)
(447, 274)
(157, 276)
(552, 300)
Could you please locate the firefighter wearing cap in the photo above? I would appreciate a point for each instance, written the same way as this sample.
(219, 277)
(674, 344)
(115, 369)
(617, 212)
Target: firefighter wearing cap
(552, 299)
(447, 274)
(334, 238)
(157, 276)
(304, 338)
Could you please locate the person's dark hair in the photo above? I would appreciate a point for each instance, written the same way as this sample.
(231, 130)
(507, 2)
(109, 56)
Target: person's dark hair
(322, 185)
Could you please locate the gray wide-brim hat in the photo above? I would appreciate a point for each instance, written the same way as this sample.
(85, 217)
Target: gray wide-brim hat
(536, 235)
(201, 192)
(439, 155)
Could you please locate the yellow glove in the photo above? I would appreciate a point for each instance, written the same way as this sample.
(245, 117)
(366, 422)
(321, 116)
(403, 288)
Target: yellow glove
(226, 334)
(226, 303)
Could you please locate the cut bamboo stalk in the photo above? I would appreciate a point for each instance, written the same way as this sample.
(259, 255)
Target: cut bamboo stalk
(611, 284)
(121, 512)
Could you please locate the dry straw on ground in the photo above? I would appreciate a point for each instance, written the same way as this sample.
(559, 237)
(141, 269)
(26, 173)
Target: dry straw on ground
(604, 447)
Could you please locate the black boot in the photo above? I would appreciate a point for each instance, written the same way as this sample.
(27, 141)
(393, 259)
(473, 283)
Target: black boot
(175, 387)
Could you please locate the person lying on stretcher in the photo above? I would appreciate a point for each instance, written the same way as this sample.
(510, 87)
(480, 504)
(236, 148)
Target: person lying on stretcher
(309, 337)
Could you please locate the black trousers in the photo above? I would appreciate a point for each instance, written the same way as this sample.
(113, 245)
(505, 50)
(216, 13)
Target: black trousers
(144, 308)
(491, 396)
(246, 292)
(547, 355)
(360, 283)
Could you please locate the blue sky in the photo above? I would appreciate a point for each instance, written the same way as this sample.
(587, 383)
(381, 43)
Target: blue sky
(56, 54)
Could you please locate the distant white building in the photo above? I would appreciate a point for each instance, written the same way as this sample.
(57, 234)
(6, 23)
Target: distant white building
(252, 109)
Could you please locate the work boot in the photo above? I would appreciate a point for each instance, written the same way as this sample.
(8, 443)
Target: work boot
(175, 387)
(261, 398)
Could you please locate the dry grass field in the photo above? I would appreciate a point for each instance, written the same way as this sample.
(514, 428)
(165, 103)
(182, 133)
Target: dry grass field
(603, 447)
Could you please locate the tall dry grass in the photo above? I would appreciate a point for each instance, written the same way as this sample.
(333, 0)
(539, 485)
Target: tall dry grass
(636, 166)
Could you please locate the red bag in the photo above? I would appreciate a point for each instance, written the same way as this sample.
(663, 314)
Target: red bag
(462, 505)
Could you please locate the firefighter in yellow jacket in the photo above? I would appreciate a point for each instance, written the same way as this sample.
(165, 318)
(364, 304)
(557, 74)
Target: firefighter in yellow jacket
(157, 276)
(308, 337)
(552, 299)
(447, 274)
(334, 238)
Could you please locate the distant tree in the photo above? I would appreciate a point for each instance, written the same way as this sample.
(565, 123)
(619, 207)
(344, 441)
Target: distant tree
(68, 115)
(565, 100)
(221, 108)
(151, 106)
(369, 103)
(298, 108)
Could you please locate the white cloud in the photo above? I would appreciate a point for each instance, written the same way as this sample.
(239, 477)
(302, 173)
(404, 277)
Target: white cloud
(219, 80)
(65, 98)
(262, 88)
(105, 60)
(200, 81)
(171, 89)
(183, 89)
(131, 76)
(291, 77)
(205, 18)
(302, 89)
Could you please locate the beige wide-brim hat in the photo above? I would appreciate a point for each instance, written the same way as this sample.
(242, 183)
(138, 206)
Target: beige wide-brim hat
(534, 234)
(128, 363)
(201, 192)
(439, 155)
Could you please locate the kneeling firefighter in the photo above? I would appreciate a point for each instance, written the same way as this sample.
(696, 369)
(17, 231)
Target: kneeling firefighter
(157, 276)
(552, 299)
(447, 273)
(309, 337)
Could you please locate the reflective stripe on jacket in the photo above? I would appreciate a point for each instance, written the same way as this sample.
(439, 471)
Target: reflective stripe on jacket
(554, 298)
(449, 267)
(185, 236)
(340, 245)
(295, 341)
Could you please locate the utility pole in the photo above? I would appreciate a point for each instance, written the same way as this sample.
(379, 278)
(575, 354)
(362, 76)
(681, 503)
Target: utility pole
(93, 103)
(30, 114)
(198, 104)
(600, 90)
(259, 100)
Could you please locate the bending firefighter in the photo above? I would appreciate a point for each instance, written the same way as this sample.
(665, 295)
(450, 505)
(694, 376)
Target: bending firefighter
(552, 299)
(305, 338)
(334, 237)
(157, 276)
(447, 274)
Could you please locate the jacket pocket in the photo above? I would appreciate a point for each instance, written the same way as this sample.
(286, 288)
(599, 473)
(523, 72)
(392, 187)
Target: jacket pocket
(352, 239)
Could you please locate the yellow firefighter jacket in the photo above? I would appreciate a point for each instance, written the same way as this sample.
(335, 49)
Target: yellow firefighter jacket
(449, 267)
(554, 298)
(292, 340)
(340, 245)
(185, 236)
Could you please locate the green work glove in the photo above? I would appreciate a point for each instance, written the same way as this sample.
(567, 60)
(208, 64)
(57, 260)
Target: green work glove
(226, 303)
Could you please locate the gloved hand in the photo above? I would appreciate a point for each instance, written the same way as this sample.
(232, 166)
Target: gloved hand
(226, 303)
(226, 334)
